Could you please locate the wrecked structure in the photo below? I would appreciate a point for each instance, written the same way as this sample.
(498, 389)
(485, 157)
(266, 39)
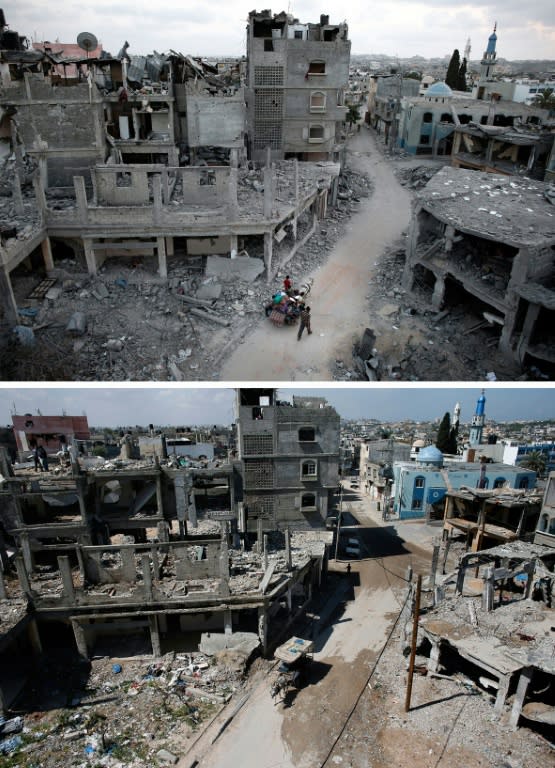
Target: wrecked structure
(488, 241)
(487, 517)
(296, 82)
(545, 532)
(290, 458)
(141, 159)
(496, 629)
(136, 549)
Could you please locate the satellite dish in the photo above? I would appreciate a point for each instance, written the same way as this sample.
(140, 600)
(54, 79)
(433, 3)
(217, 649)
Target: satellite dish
(87, 41)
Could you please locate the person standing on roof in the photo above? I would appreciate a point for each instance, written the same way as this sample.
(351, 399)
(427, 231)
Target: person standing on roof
(305, 322)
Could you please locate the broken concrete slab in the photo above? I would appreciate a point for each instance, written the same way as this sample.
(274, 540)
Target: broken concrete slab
(163, 756)
(212, 642)
(240, 268)
(209, 290)
(77, 324)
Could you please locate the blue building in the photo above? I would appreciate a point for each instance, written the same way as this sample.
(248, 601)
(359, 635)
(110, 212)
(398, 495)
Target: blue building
(420, 487)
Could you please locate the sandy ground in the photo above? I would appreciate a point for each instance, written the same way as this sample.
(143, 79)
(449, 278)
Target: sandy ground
(339, 298)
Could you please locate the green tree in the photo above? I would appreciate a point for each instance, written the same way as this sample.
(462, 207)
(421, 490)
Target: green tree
(452, 76)
(545, 99)
(461, 81)
(534, 461)
(442, 438)
(353, 115)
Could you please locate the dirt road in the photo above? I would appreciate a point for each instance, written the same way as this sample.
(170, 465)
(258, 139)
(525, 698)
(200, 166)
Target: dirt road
(339, 298)
(301, 732)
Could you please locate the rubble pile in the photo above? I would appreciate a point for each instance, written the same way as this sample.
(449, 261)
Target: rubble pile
(136, 326)
(416, 178)
(132, 712)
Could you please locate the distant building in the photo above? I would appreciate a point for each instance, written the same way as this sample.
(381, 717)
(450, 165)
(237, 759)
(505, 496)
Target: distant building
(290, 458)
(49, 431)
(545, 532)
(376, 465)
(420, 487)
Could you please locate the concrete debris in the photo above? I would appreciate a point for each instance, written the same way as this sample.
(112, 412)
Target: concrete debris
(242, 267)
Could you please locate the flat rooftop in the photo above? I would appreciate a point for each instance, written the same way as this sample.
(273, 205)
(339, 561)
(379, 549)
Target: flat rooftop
(506, 209)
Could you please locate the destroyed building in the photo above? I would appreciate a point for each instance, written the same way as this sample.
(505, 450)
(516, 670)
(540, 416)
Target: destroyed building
(143, 159)
(487, 241)
(545, 532)
(52, 432)
(297, 77)
(290, 458)
(144, 549)
(495, 630)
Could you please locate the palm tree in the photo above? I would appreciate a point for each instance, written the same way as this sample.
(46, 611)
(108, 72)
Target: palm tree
(534, 461)
(545, 99)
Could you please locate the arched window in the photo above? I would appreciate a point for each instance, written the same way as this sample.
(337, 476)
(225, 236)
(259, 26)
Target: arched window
(499, 482)
(308, 501)
(316, 133)
(307, 435)
(317, 101)
(309, 470)
(419, 481)
(427, 117)
(523, 483)
(544, 520)
(447, 117)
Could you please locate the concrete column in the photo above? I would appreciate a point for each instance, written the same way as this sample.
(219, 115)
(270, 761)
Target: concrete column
(128, 563)
(3, 593)
(80, 639)
(67, 578)
(81, 198)
(165, 186)
(502, 692)
(233, 242)
(232, 202)
(228, 622)
(289, 596)
(90, 256)
(192, 510)
(28, 558)
(156, 197)
(449, 236)
(288, 549)
(46, 249)
(439, 293)
(7, 298)
(81, 562)
(147, 576)
(268, 249)
(532, 312)
(136, 126)
(435, 653)
(155, 563)
(162, 261)
(488, 594)
(263, 628)
(154, 635)
(159, 498)
(23, 576)
(34, 637)
(523, 683)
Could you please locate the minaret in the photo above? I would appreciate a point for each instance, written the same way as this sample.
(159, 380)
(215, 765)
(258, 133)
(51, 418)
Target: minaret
(467, 51)
(456, 416)
(478, 421)
(488, 60)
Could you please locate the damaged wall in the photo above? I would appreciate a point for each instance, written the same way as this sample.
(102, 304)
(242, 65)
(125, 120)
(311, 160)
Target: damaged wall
(216, 120)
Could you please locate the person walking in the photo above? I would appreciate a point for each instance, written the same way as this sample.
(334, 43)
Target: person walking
(305, 322)
(287, 284)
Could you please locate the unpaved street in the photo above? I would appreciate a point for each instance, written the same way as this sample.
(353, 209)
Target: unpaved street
(300, 732)
(339, 297)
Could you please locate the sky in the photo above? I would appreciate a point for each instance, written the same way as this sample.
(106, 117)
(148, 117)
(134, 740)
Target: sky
(126, 405)
(401, 28)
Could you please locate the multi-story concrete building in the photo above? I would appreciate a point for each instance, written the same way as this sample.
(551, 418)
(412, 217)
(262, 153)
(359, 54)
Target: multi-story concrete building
(290, 457)
(296, 81)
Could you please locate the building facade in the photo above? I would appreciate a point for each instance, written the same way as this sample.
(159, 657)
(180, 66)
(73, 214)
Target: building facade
(420, 487)
(290, 458)
(296, 82)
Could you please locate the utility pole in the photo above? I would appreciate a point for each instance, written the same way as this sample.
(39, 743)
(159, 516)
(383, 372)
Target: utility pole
(338, 529)
(413, 641)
